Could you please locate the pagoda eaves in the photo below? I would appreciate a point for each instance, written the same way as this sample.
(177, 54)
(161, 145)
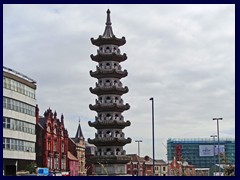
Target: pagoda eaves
(101, 90)
(109, 124)
(109, 57)
(105, 73)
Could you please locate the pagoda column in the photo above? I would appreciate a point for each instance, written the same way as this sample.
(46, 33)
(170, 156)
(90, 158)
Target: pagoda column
(110, 157)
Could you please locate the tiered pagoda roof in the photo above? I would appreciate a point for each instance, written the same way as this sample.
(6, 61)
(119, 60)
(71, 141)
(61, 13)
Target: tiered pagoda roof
(104, 73)
(109, 124)
(109, 107)
(101, 90)
(109, 57)
(110, 159)
(101, 40)
(109, 141)
(108, 37)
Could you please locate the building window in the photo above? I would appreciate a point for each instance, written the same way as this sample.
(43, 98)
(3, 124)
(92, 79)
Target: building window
(63, 164)
(55, 145)
(6, 123)
(18, 145)
(55, 163)
(81, 167)
(49, 145)
(48, 129)
(62, 147)
(18, 106)
(164, 168)
(18, 87)
(6, 143)
(18, 125)
(49, 162)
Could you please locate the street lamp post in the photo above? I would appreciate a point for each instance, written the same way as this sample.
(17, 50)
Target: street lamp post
(153, 134)
(217, 119)
(213, 136)
(138, 141)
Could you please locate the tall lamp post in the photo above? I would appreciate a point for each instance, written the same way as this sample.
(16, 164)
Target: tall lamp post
(138, 141)
(153, 134)
(217, 119)
(213, 136)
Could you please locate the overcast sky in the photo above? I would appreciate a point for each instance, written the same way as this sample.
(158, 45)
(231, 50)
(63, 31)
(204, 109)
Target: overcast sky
(182, 55)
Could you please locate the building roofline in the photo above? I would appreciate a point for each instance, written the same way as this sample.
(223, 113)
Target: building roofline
(14, 72)
(196, 140)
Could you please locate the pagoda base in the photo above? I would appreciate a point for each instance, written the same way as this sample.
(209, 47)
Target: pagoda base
(110, 169)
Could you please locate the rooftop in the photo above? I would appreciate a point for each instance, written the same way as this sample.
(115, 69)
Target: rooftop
(14, 72)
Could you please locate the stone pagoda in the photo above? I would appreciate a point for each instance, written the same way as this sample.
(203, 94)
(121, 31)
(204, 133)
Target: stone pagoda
(110, 158)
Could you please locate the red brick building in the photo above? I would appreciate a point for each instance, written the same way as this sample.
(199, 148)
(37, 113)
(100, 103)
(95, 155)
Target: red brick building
(181, 168)
(143, 166)
(52, 142)
(72, 158)
(136, 166)
(73, 165)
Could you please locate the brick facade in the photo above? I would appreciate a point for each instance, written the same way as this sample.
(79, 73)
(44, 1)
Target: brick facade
(52, 142)
(139, 166)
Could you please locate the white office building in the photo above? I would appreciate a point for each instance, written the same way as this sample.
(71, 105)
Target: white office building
(19, 136)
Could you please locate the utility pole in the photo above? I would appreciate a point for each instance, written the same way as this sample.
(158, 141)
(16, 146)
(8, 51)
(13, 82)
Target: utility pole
(138, 141)
(217, 119)
(213, 136)
(153, 134)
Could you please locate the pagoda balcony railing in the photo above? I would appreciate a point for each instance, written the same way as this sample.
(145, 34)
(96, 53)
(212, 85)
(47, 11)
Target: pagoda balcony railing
(110, 118)
(109, 101)
(110, 153)
(104, 153)
(108, 51)
(114, 135)
(117, 67)
(109, 84)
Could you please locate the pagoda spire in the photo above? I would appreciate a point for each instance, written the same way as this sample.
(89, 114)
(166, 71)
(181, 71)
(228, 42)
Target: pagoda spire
(108, 18)
(108, 32)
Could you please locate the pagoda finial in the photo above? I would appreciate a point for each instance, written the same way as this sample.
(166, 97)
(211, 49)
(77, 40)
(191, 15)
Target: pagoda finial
(108, 18)
(108, 32)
